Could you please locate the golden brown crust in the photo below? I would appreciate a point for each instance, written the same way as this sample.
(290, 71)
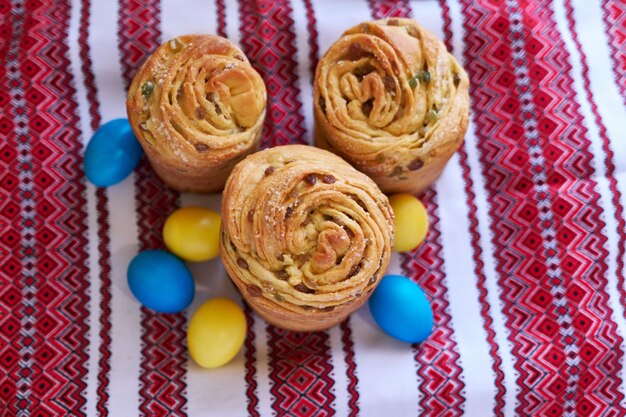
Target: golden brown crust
(305, 237)
(197, 107)
(392, 101)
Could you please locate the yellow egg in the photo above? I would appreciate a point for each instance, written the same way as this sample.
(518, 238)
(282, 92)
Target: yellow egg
(411, 222)
(192, 233)
(216, 332)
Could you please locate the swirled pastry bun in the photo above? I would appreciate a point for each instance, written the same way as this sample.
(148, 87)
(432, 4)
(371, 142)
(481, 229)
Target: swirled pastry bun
(197, 107)
(305, 237)
(391, 100)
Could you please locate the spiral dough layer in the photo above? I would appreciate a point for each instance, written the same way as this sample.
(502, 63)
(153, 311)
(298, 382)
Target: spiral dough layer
(305, 237)
(391, 100)
(197, 107)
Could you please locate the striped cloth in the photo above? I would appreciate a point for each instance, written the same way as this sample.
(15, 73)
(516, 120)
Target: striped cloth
(524, 262)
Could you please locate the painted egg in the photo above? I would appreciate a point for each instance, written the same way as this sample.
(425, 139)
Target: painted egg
(193, 233)
(112, 153)
(216, 332)
(411, 222)
(401, 309)
(161, 281)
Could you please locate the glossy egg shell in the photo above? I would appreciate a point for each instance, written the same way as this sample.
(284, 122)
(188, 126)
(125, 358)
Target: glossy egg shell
(161, 281)
(216, 332)
(401, 309)
(411, 220)
(112, 153)
(192, 233)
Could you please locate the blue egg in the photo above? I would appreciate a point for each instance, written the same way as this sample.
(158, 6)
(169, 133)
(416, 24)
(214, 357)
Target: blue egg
(112, 153)
(160, 281)
(401, 309)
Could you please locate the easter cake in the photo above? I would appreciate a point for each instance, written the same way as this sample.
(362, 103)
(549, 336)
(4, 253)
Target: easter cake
(197, 107)
(391, 100)
(305, 237)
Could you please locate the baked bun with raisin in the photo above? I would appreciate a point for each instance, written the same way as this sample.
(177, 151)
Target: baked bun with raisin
(391, 100)
(197, 107)
(305, 237)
